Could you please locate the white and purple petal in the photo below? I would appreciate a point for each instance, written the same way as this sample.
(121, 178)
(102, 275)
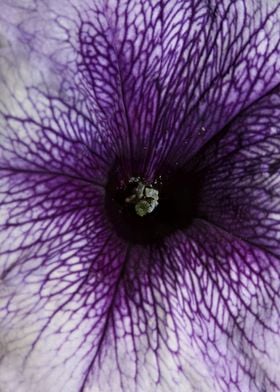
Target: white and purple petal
(141, 86)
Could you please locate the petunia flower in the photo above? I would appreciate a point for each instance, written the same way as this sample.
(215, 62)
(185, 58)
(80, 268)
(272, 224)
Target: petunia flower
(140, 195)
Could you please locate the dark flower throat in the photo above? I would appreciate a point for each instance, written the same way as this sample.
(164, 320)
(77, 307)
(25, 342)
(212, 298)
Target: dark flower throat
(177, 205)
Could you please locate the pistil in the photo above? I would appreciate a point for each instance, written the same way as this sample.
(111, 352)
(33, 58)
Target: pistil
(144, 197)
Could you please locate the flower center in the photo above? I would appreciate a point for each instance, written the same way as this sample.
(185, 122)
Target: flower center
(146, 212)
(144, 197)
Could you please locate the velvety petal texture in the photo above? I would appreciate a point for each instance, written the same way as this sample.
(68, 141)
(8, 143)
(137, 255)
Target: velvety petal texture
(242, 170)
(139, 88)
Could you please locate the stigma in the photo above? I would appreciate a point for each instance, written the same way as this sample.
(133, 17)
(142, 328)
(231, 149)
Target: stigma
(144, 197)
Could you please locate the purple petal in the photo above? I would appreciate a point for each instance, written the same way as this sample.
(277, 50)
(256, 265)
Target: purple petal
(241, 167)
(169, 75)
(81, 309)
(181, 70)
(229, 298)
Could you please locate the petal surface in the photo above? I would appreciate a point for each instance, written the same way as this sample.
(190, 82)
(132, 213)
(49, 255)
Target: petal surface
(241, 191)
(81, 309)
(176, 72)
(165, 74)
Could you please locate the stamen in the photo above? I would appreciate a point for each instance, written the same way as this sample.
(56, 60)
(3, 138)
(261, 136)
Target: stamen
(144, 197)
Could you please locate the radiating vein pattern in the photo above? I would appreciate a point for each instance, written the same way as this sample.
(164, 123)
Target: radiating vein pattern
(183, 96)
